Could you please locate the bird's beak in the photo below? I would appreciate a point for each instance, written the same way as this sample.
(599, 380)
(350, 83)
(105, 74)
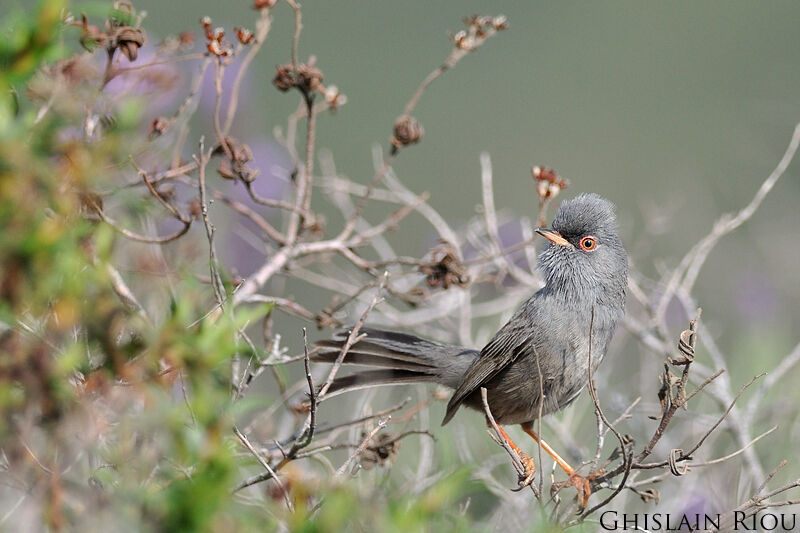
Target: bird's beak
(554, 237)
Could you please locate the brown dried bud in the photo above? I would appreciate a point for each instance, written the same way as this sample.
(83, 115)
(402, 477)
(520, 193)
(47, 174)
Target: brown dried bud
(244, 35)
(380, 450)
(500, 23)
(91, 36)
(464, 40)
(166, 192)
(263, 4)
(235, 167)
(219, 48)
(226, 171)
(309, 77)
(186, 38)
(195, 208)
(284, 78)
(406, 131)
(158, 127)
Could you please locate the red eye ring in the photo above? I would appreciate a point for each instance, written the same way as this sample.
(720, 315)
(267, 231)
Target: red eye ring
(588, 244)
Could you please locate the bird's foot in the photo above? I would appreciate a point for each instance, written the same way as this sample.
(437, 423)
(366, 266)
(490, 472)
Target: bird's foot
(583, 484)
(528, 471)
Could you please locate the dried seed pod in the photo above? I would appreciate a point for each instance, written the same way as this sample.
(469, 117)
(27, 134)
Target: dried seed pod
(445, 269)
(128, 40)
(284, 78)
(406, 131)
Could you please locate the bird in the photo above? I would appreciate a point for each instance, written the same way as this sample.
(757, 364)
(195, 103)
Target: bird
(539, 361)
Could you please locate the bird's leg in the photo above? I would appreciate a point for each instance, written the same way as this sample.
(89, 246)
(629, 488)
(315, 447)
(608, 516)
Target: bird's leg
(581, 483)
(529, 468)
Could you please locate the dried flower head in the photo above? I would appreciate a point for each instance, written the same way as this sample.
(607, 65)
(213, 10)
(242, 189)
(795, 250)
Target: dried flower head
(305, 77)
(206, 23)
(380, 450)
(263, 4)
(235, 167)
(333, 97)
(479, 28)
(158, 127)
(548, 182)
(219, 48)
(406, 131)
(244, 35)
(186, 38)
(445, 268)
(500, 23)
(464, 41)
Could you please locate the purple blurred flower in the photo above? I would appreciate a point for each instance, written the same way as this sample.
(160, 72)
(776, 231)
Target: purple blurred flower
(160, 84)
(275, 166)
(755, 297)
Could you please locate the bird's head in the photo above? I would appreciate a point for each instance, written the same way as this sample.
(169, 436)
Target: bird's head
(584, 255)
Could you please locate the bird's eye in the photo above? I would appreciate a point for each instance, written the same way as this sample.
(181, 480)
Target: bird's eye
(588, 244)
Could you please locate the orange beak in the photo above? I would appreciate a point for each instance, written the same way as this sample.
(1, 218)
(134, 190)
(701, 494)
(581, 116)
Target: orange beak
(554, 237)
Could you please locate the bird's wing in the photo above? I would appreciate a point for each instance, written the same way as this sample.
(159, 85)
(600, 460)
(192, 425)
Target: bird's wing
(501, 351)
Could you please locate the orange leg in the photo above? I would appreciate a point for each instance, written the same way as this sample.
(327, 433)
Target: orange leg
(526, 478)
(581, 483)
(527, 428)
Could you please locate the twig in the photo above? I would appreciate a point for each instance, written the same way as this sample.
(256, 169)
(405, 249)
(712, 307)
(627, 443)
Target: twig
(262, 30)
(298, 26)
(266, 466)
(686, 273)
(490, 216)
(125, 294)
(363, 446)
(352, 338)
(737, 452)
(623, 445)
(313, 397)
(213, 264)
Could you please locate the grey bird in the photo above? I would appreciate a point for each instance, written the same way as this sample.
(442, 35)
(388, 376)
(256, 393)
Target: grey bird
(538, 362)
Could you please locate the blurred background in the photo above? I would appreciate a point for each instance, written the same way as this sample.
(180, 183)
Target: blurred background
(675, 111)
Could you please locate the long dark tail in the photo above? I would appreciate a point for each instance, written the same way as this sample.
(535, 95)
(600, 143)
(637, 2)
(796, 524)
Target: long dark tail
(401, 358)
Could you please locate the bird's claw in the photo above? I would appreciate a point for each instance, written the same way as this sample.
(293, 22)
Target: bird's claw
(528, 471)
(582, 484)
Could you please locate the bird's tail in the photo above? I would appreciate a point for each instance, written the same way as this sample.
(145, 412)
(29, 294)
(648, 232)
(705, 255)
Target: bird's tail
(397, 357)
